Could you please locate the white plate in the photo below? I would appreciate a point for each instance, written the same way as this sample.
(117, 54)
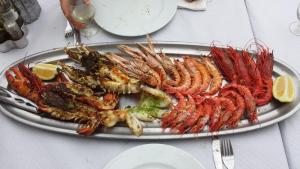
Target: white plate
(154, 156)
(134, 17)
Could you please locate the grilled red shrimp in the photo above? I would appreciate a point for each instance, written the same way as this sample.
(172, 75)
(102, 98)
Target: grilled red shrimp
(226, 109)
(253, 72)
(264, 64)
(264, 94)
(191, 120)
(199, 99)
(136, 54)
(149, 58)
(182, 115)
(181, 102)
(139, 65)
(188, 111)
(191, 65)
(165, 61)
(137, 69)
(170, 69)
(205, 110)
(240, 67)
(224, 63)
(124, 65)
(240, 107)
(249, 99)
(216, 113)
(138, 74)
(194, 123)
(141, 71)
(206, 78)
(168, 118)
(191, 107)
(36, 82)
(185, 79)
(143, 56)
(216, 77)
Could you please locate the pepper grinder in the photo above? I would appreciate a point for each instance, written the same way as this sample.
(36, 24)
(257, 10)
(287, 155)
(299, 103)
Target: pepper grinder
(13, 25)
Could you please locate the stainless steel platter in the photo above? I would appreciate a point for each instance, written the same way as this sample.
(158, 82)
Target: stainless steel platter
(269, 114)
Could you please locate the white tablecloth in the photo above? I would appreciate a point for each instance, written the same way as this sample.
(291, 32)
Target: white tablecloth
(271, 20)
(227, 22)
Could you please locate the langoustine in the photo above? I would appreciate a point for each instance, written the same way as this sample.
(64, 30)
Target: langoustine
(99, 73)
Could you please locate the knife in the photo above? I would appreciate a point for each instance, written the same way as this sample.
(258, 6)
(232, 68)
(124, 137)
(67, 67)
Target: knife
(216, 148)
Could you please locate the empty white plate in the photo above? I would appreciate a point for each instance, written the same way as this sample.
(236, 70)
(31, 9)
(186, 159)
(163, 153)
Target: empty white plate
(133, 17)
(154, 156)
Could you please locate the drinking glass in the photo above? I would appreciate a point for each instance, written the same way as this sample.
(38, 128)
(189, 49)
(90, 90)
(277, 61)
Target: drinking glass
(295, 26)
(85, 13)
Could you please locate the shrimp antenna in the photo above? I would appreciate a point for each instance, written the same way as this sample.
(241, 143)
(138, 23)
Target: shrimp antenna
(25, 58)
(152, 41)
(249, 44)
(215, 43)
(260, 45)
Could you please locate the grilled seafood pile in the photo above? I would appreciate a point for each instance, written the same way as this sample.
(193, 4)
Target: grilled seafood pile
(99, 73)
(67, 101)
(240, 68)
(197, 84)
(186, 94)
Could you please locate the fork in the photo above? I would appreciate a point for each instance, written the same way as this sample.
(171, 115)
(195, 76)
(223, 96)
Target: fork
(69, 30)
(227, 154)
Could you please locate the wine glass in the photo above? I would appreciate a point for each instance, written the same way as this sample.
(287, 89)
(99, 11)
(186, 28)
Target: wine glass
(295, 26)
(85, 13)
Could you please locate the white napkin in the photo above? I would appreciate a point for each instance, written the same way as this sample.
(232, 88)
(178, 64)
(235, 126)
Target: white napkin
(197, 5)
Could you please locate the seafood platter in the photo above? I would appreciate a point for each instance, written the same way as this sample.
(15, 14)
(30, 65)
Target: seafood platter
(165, 90)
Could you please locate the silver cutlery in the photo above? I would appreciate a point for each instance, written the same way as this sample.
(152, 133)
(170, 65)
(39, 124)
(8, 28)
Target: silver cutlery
(216, 148)
(77, 37)
(17, 101)
(69, 30)
(227, 154)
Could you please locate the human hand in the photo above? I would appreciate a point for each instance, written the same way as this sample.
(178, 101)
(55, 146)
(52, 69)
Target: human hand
(87, 2)
(76, 24)
(67, 10)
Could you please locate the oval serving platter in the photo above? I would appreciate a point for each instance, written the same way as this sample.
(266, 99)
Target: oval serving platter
(269, 114)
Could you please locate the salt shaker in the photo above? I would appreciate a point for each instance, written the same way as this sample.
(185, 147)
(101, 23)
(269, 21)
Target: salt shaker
(11, 24)
(13, 29)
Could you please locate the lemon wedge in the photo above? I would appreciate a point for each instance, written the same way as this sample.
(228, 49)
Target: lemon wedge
(45, 71)
(283, 89)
